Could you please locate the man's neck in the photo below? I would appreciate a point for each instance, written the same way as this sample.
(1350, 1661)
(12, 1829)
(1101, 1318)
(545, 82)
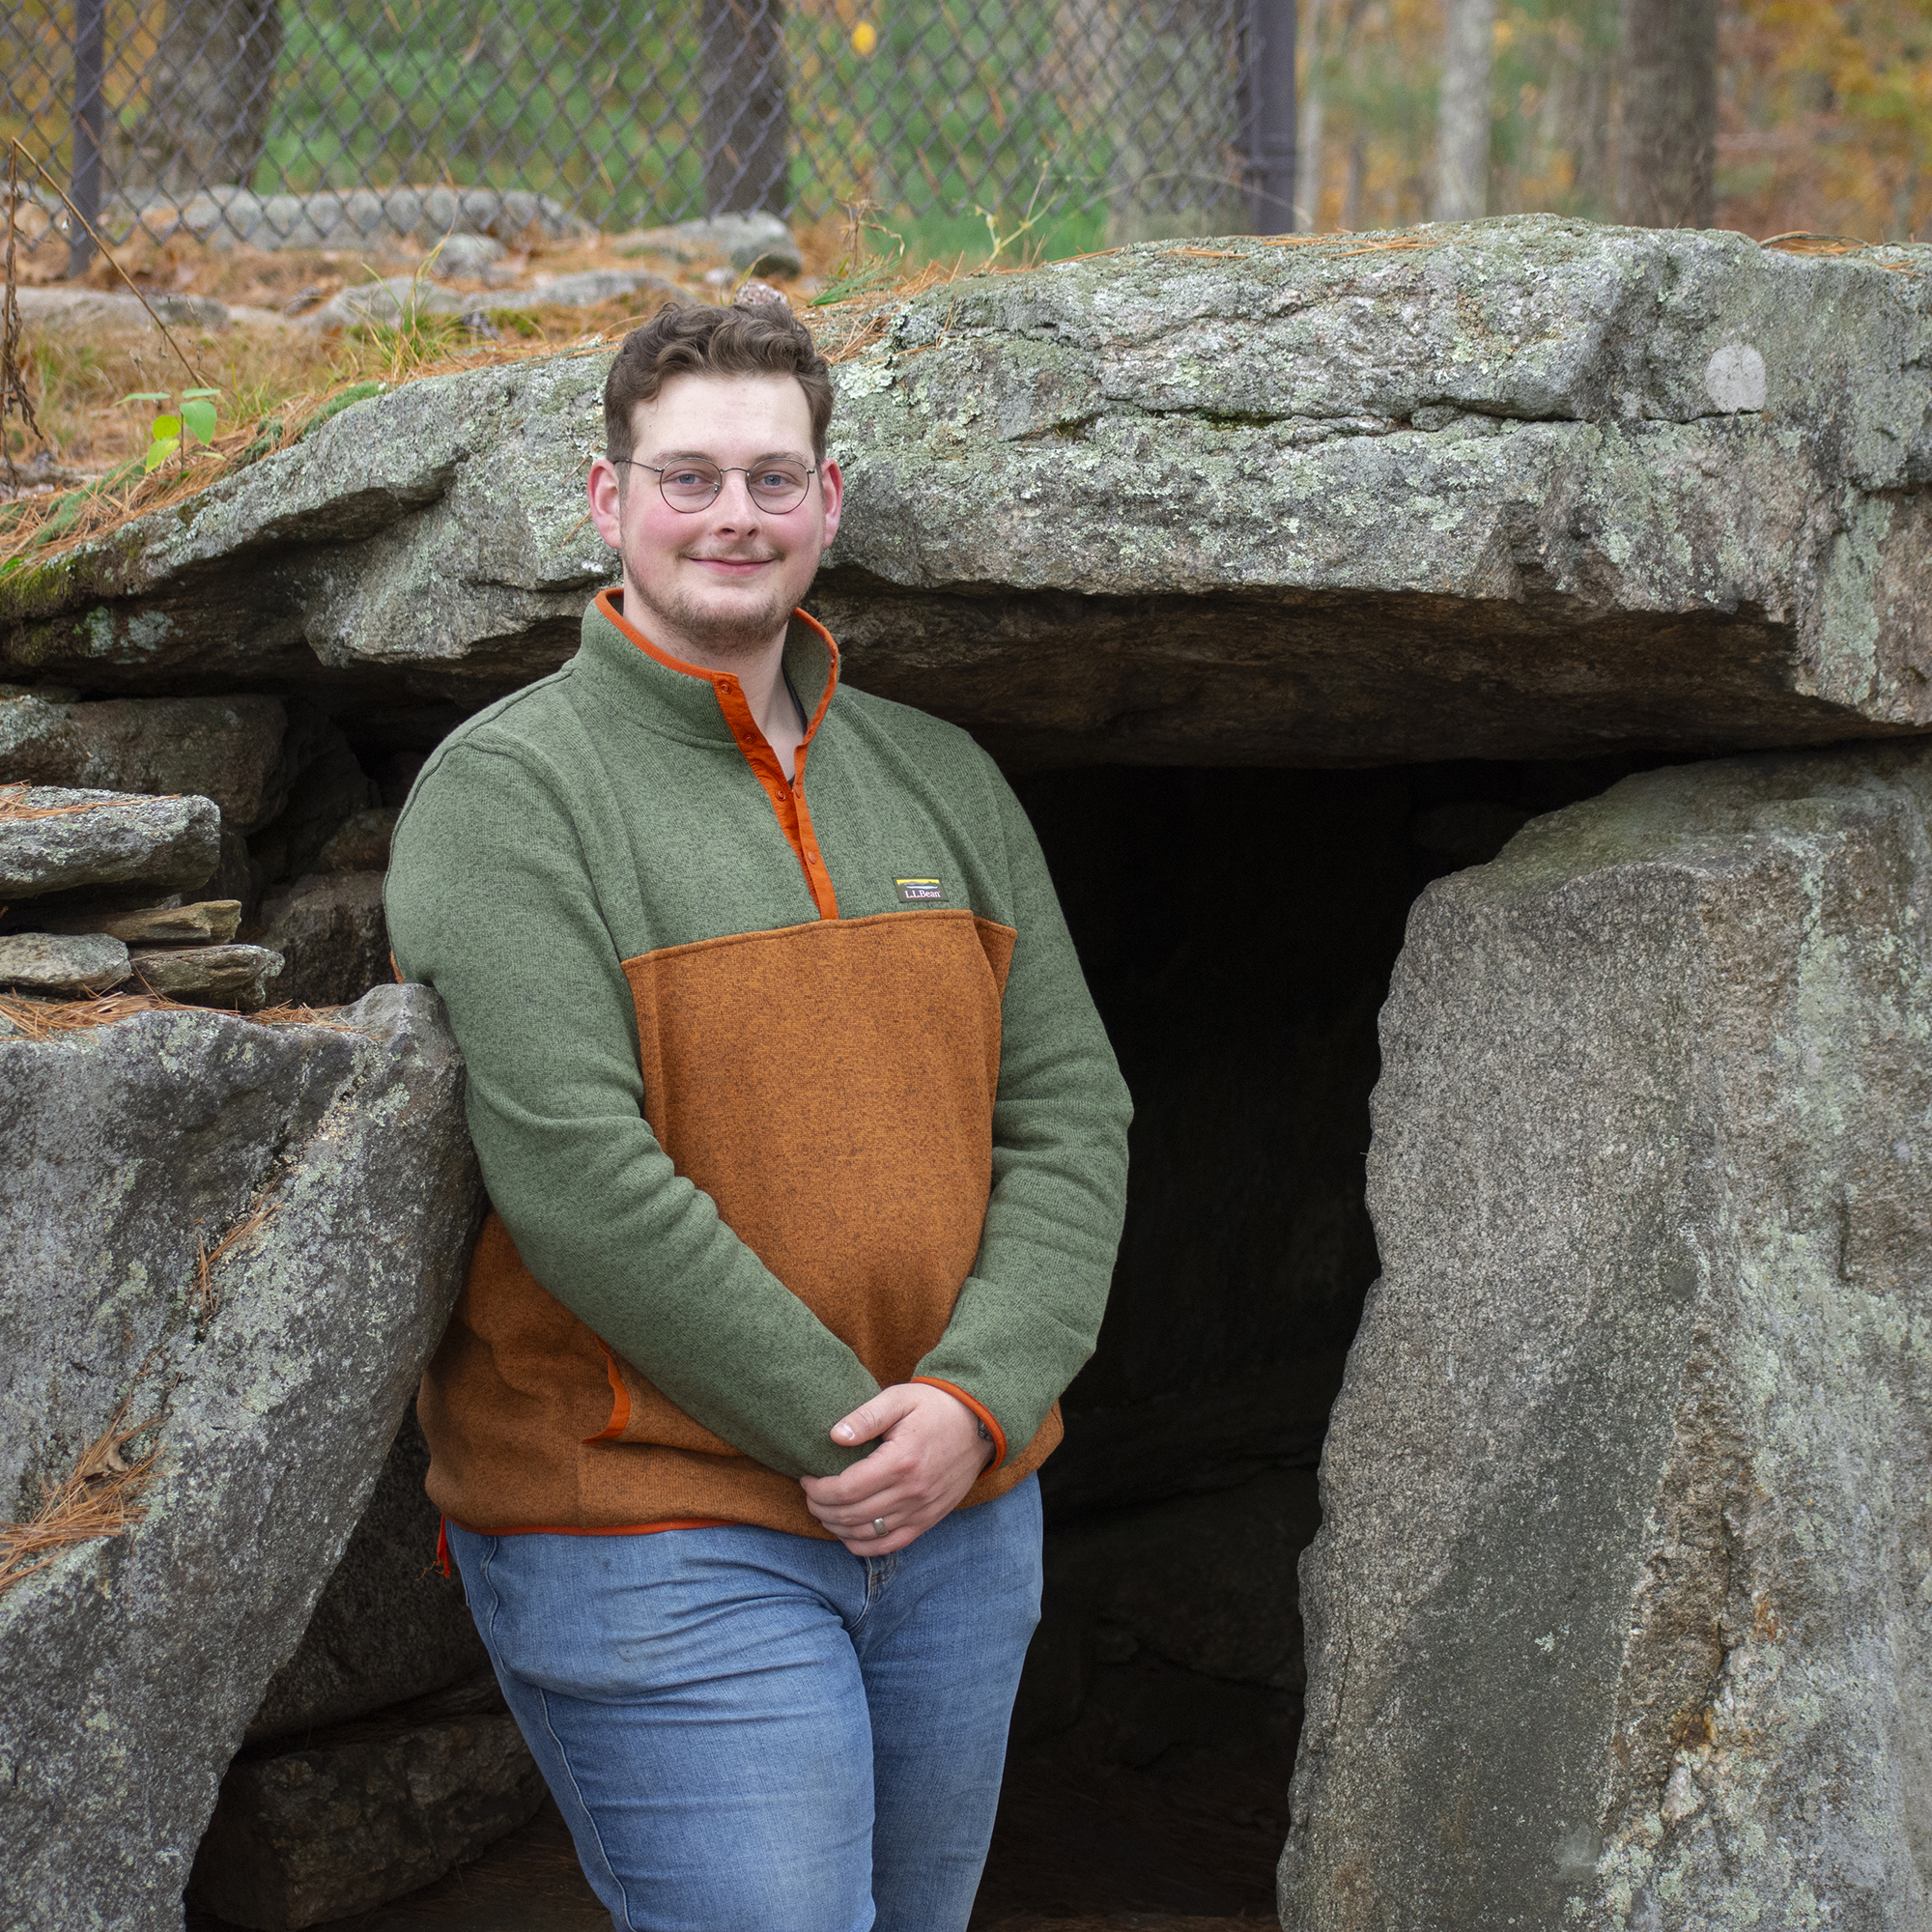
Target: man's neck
(759, 669)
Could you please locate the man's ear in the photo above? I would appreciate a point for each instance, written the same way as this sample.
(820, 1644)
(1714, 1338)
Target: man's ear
(831, 485)
(607, 501)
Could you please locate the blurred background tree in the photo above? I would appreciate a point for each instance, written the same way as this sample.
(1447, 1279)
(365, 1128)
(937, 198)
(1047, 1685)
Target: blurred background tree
(1760, 115)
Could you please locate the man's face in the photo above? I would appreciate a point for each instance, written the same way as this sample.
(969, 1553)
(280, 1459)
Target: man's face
(726, 577)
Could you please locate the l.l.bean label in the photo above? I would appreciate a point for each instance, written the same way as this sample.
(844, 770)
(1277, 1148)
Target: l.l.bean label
(919, 892)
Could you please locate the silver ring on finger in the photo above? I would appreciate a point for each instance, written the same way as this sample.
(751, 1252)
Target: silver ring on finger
(878, 1525)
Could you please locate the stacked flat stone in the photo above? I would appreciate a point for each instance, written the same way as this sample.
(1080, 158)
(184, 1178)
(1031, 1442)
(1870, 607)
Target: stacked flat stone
(83, 852)
(112, 809)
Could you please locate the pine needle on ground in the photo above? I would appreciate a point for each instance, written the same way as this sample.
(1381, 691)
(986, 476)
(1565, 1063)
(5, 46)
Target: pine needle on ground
(207, 1296)
(13, 806)
(100, 1498)
(45, 1019)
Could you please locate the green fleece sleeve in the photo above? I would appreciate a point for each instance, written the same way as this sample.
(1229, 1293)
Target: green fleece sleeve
(489, 902)
(1029, 1312)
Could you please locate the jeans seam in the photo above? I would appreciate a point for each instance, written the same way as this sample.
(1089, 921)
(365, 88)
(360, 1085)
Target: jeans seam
(590, 1816)
(490, 1549)
(866, 1601)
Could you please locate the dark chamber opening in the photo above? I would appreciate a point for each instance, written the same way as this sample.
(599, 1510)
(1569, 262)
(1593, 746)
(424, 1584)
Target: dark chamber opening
(1237, 927)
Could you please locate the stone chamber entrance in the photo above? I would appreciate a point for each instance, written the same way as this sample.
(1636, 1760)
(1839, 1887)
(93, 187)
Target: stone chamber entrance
(1237, 927)
(1648, 1092)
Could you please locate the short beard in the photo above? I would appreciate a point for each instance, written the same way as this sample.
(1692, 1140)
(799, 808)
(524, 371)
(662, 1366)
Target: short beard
(737, 635)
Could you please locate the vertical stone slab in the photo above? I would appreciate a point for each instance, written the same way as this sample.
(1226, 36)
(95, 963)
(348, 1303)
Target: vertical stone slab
(1621, 1615)
(271, 1384)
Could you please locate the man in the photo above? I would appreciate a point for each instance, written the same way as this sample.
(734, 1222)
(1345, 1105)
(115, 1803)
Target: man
(806, 1158)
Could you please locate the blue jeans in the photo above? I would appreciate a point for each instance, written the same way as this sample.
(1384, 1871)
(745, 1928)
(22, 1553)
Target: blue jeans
(749, 1731)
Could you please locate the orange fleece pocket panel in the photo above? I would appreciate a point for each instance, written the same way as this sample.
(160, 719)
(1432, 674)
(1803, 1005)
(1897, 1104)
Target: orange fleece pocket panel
(831, 1087)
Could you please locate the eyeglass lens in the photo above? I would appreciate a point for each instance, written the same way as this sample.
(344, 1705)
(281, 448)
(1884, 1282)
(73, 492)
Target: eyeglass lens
(694, 484)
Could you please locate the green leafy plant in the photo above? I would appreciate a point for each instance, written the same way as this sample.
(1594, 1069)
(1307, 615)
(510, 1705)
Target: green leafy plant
(172, 430)
(861, 272)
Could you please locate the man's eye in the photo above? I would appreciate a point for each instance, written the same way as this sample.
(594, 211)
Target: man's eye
(687, 479)
(778, 479)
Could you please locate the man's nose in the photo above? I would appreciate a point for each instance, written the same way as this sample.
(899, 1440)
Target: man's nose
(734, 498)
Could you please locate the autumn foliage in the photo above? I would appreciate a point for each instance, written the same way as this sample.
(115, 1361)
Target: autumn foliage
(1824, 106)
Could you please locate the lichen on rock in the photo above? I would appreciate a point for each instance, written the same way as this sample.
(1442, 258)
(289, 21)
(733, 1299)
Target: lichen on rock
(1516, 488)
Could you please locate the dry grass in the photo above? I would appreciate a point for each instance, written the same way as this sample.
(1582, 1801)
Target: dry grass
(1801, 242)
(847, 329)
(274, 379)
(266, 368)
(100, 1498)
(274, 385)
(330, 1018)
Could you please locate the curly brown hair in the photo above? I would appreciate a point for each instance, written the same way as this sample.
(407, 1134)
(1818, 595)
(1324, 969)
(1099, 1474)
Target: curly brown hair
(687, 339)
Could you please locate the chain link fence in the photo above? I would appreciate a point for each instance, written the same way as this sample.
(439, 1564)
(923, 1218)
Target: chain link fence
(281, 125)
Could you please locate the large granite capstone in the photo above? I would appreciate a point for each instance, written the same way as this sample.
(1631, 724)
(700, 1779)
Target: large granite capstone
(271, 1383)
(1523, 488)
(1618, 1616)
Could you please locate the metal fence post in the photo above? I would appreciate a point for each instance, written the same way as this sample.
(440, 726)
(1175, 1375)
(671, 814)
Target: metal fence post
(90, 58)
(747, 115)
(1270, 106)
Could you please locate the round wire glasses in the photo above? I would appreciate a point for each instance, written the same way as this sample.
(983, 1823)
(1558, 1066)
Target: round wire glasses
(692, 482)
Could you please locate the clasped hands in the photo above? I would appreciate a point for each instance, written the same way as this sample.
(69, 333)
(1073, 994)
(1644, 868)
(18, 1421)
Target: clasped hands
(930, 1454)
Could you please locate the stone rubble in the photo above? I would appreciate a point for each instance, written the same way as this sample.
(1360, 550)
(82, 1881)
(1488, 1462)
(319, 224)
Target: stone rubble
(361, 843)
(395, 227)
(467, 258)
(79, 309)
(346, 1823)
(757, 243)
(283, 772)
(346, 218)
(387, 303)
(207, 922)
(111, 838)
(198, 972)
(330, 930)
(228, 748)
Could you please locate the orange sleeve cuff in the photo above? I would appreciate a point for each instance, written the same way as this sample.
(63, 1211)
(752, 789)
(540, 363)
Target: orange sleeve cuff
(980, 1410)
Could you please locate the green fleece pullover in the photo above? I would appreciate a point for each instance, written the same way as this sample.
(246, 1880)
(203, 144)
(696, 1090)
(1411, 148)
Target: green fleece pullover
(772, 1083)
